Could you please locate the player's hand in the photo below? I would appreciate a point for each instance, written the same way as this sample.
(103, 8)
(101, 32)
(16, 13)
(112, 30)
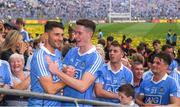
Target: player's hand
(53, 67)
(69, 70)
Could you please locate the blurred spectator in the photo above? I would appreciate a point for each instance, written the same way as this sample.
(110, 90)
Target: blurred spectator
(100, 35)
(71, 38)
(106, 49)
(21, 80)
(170, 50)
(100, 49)
(20, 23)
(168, 37)
(102, 42)
(91, 9)
(12, 44)
(174, 39)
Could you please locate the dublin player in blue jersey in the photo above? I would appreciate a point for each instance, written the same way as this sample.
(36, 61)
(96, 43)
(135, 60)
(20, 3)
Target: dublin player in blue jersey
(42, 81)
(113, 75)
(85, 60)
(160, 89)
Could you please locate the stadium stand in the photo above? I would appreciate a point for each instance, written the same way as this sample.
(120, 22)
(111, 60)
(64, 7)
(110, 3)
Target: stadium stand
(91, 9)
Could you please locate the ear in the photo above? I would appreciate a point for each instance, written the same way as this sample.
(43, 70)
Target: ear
(130, 98)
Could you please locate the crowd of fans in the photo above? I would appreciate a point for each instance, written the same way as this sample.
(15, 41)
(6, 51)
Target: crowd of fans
(91, 9)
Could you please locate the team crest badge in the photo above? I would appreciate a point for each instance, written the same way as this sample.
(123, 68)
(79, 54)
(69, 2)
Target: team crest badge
(83, 64)
(161, 90)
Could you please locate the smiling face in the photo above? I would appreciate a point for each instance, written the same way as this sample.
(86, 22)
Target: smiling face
(82, 35)
(138, 71)
(55, 37)
(16, 64)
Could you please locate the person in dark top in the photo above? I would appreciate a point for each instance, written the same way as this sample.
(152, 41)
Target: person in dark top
(106, 49)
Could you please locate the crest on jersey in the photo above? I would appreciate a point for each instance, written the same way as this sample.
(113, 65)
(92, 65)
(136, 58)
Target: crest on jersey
(161, 90)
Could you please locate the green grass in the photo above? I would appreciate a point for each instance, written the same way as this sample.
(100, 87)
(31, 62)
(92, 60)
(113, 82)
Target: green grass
(146, 32)
(140, 29)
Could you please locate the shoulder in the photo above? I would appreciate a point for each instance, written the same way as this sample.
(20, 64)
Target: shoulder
(104, 68)
(39, 54)
(73, 51)
(3, 62)
(170, 79)
(126, 69)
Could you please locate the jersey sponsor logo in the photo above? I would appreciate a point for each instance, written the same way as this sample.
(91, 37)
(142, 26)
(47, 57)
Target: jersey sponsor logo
(112, 88)
(153, 99)
(78, 74)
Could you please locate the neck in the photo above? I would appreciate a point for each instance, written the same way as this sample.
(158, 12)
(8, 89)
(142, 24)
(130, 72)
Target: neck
(50, 48)
(157, 77)
(137, 81)
(115, 66)
(19, 74)
(84, 49)
(158, 50)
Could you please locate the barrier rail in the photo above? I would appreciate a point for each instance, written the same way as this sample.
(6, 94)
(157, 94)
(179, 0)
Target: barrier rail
(57, 98)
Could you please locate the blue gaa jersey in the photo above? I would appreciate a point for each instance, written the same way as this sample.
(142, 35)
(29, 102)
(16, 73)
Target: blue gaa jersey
(112, 80)
(39, 68)
(87, 62)
(158, 92)
(173, 65)
(147, 75)
(176, 75)
(5, 73)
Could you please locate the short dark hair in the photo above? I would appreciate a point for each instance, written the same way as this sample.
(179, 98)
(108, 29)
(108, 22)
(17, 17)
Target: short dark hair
(10, 26)
(110, 38)
(127, 89)
(165, 56)
(20, 21)
(70, 29)
(128, 40)
(167, 46)
(156, 41)
(115, 43)
(87, 23)
(102, 42)
(52, 24)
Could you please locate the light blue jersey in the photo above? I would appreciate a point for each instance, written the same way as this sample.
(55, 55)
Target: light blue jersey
(25, 36)
(173, 65)
(5, 73)
(39, 68)
(147, 75)
(112, 80)
(158, 92)
(176, 75)
(87, 62)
